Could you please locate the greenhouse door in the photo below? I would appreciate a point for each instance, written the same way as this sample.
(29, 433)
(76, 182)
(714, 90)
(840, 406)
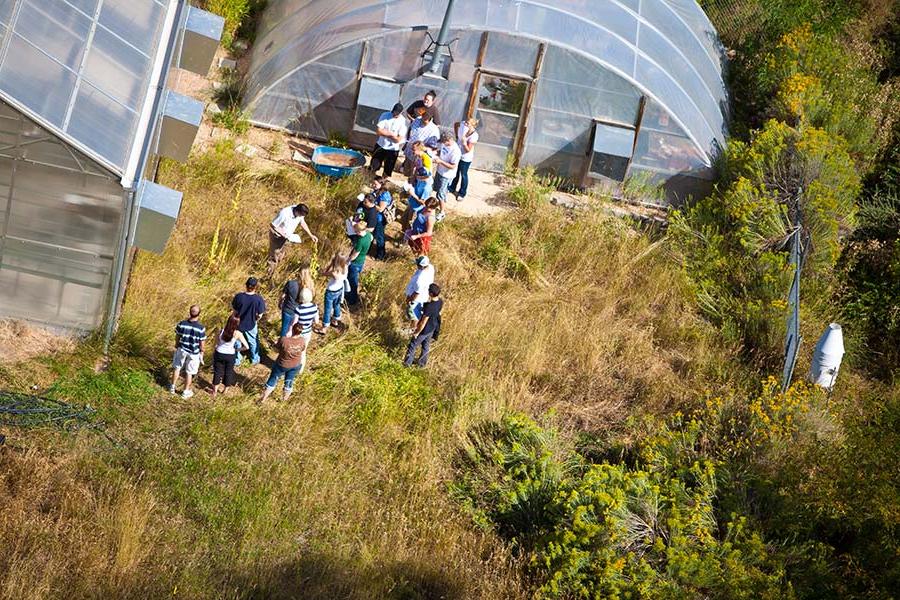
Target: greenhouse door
(498, 107)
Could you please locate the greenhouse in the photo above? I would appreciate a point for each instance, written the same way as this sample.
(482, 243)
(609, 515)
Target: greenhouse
(590, 90)
(84, 113)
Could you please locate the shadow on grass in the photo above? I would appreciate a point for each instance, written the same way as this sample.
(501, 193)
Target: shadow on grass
(317, 576)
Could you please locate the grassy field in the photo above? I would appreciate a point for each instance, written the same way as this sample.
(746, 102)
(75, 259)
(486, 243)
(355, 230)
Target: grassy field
(341, 493)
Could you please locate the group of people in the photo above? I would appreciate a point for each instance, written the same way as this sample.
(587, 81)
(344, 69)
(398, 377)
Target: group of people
(300, 315)
(442, 157)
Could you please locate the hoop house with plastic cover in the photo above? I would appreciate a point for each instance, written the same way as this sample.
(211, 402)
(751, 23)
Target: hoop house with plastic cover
(83, 111)
(593, 90)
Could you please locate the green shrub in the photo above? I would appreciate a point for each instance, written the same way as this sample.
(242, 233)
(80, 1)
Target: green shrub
(508, 478)
(233, 119)
(735, 241)
(814, 79)
(645, 529)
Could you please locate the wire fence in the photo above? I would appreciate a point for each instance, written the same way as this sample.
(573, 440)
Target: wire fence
(735, 20)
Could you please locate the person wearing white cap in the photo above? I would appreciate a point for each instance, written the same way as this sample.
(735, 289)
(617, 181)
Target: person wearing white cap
(417, 288)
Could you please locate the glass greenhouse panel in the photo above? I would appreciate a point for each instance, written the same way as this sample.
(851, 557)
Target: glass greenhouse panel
(56, 29)
(559, 132)
(59, 244)
(37, 81)
(672, 62)
(117, 68)
(137, 21)
(666, 152)
(612, 151)
(58, 46)
(94, 115)
(501, 94)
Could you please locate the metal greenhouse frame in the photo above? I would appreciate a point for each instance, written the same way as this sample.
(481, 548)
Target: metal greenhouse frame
(82, 107)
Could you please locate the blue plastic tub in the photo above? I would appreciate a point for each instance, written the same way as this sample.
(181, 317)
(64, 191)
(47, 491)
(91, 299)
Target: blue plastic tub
(356, 159)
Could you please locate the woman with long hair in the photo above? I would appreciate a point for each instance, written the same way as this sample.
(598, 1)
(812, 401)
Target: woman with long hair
(228, 344)
(336, 272)
(290, 362)
(466, 137)
(420, 233)
(290, 298)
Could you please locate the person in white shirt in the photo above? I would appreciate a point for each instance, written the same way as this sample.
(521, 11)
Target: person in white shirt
(422, 130)
(447, 161)
(467, 137)
(391, 135)
(417, 288)
(283, 230)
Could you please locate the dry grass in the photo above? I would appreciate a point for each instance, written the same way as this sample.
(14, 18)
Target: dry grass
(22, 341)
(342, 492)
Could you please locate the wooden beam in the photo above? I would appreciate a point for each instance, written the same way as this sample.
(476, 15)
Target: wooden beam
(637, 130)
(519, 146)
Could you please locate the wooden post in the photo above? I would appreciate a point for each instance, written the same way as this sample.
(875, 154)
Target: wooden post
(476, 79)
(637, 130)
(519, 146)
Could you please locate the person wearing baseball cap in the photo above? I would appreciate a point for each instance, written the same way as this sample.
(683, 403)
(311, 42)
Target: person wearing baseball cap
(249, 307)
(417, 288)
(391, 129)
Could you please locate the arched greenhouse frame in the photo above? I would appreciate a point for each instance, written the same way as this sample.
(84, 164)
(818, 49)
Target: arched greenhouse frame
(590, 90)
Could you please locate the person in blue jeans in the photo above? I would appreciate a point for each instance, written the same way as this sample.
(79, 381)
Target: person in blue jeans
(290, 363)
(427, 329)
(384, 203)
(361, 245)
(290, 298)
(249, 307)
(336, 272)
(466, 137)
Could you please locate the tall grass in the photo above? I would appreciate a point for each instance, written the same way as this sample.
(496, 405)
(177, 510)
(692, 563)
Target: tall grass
(340, 493)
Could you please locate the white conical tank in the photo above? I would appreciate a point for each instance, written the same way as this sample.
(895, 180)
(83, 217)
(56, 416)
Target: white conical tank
(827, 357)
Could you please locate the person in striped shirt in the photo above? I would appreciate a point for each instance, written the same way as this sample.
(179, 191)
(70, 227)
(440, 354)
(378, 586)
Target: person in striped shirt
(190, 337)
(307, 314)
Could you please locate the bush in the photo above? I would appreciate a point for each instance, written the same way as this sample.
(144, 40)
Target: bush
(814, 79)
(735, 242)
(646, 529)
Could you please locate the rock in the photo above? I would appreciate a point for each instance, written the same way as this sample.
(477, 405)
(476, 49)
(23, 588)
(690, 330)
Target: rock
(213, 108)
(227, 63)
(217, 85)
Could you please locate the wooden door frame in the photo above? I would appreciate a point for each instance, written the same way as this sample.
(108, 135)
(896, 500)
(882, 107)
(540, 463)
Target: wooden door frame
(589, 157)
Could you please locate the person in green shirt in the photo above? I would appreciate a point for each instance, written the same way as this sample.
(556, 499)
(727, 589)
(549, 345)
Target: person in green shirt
(361, 243)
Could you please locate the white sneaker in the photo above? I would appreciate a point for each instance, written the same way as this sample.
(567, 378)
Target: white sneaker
(172, 389)
(187, 394)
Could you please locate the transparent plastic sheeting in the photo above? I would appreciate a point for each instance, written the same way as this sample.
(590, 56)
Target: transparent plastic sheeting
(667, 49)
(60, 217)
(82, 65)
